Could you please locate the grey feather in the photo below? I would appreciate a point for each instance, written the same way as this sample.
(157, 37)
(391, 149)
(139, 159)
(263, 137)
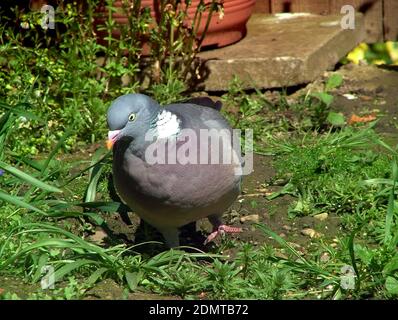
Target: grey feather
(168, 196)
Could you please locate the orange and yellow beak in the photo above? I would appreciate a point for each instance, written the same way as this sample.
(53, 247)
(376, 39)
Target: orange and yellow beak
(112, 137)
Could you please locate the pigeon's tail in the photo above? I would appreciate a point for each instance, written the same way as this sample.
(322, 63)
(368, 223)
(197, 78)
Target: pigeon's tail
(205, 102)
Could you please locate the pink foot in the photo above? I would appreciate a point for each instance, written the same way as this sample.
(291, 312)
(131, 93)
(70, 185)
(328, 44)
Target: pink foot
(221, 230)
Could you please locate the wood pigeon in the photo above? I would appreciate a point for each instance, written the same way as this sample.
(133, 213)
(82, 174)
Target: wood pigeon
(163, 168)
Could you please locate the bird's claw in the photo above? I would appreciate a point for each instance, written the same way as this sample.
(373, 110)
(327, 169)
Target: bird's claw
(222, 229)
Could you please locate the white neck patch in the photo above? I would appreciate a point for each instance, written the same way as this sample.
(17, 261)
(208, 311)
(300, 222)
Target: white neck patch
(167, 124)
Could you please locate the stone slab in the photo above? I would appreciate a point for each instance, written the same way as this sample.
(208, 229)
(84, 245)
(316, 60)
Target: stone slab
(281, 50)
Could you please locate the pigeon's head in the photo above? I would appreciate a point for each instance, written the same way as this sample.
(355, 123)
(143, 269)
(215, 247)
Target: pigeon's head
(130, 116)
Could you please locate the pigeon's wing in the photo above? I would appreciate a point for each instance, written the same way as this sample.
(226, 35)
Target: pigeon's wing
(199, 117)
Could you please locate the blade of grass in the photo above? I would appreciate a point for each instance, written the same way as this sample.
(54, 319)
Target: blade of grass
(68, 268)
(72, 242)
(97, 219)
(54, 243)
(17, 110)
(94, 176)
(282, 242)
(101, 161)
(31, 163)
(19, 203)
(391, 205)
(28, 178)
(352, 257)
(59, 144)
(100, 205)
(301, 264)
(96, 275)
(43, 260)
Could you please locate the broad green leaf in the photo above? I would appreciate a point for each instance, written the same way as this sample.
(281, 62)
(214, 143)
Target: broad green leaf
(363, 253)
(392, 285)
(324, 97)
(288, 188)
(391, 266)
(133, 279)
(334, 81)
(336, 119)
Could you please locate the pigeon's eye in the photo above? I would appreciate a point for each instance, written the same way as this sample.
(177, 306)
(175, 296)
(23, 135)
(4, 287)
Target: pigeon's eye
(132, 117)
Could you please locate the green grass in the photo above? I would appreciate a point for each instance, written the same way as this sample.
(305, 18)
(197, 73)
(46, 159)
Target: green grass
(47, 213)
(327, 171)
(68, 76)
(347, 173)
(51, 202)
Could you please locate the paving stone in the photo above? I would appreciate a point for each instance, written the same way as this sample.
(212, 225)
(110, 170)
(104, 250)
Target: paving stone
(281, 50)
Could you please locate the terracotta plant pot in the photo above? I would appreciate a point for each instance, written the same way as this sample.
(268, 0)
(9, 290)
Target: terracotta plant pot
(231, 28)
(221, 32)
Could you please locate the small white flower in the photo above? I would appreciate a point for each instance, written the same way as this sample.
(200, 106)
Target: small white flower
(24, 25)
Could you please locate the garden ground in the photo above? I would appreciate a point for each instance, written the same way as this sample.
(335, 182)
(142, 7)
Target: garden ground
(307, 188)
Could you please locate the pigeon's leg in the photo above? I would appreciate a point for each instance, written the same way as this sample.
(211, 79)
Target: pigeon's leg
(219, 228)
(171, 236)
